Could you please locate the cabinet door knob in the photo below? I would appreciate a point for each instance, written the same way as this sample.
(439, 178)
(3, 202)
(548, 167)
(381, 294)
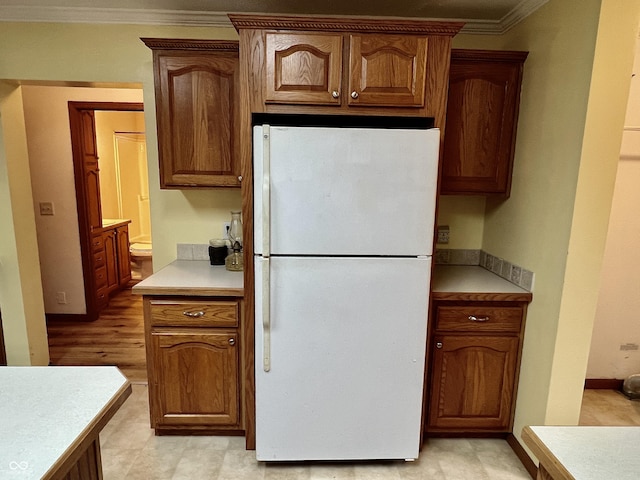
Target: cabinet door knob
(193, 314)
(232, 341)
(439, 345)
(335, 94)
(354, 95)
(239, 178)
(474, 318)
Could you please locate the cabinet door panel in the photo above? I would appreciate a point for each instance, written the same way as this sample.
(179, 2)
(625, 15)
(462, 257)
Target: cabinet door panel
(473, 382)
(110, 249)
(198, 111)
(387, 70)
(303, 68)
(196, 378)
(482, 114)
(124, 261)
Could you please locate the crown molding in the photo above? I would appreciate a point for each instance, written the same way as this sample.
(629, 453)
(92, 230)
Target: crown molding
(141, 16)
(134, 16)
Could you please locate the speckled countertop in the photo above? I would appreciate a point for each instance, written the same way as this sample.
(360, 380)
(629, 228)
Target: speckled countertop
(46, 411)
(586, 453)
(464, 282)
(192, 277)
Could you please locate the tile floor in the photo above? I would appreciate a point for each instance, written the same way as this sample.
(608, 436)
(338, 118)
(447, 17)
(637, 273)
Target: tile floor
(131, 451)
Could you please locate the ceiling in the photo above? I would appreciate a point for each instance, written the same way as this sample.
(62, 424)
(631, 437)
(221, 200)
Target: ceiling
(481, 16)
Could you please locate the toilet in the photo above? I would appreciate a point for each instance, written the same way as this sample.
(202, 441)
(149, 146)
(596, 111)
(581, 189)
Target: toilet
(141, 256)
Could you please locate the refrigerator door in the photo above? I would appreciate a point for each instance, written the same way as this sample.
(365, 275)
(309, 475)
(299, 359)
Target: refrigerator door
(345, 191)
(347, 352)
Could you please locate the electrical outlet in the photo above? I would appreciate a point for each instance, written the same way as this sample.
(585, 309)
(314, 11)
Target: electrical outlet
(61, 298)
(46, 208)
(443, 234)
(225, 229)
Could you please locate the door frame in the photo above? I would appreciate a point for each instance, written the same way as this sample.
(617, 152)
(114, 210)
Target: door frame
(78, 141)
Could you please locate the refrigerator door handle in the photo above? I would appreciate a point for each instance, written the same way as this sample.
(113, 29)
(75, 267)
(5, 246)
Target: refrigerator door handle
(266, 234)
(266, 319)
(266, 191)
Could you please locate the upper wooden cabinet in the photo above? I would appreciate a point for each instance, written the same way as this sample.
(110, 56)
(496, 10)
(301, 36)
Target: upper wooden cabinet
(334, 65)
(381, 70)
(197, 110)
(482, 113)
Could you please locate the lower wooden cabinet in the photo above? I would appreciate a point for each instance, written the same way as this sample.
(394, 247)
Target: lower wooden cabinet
(193, 361)
(112, 264)
(475, 358)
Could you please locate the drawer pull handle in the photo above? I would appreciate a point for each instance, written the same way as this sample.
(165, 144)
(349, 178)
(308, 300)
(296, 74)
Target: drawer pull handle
(193, 314)
(232, 341)
(439, 345)
(473, 318)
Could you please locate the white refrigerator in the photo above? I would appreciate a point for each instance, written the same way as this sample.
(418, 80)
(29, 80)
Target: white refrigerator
(343, 222)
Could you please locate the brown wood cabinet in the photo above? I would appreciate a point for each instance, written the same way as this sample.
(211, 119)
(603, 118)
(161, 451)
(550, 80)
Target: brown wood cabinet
(335, 65)
(100, 270)
(197, 112)
(379, 70)
(193, 358)
(475, 357)
(123, 255)
(111, 258)
(112, 265)
(482, 114)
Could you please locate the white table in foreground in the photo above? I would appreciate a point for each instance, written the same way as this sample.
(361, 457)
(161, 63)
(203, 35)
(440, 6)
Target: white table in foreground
(585, 453)
(50, 418)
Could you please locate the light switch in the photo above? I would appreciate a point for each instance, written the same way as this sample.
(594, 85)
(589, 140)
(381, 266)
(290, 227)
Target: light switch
(46, 208)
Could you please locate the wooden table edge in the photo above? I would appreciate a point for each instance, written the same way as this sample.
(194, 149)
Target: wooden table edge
(551, 466)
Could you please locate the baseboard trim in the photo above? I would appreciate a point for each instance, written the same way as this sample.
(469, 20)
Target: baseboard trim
(603, 383)
(522, 455)
(67, 317)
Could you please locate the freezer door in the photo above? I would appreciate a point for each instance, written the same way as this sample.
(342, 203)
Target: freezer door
(347, 352)
(345, 191)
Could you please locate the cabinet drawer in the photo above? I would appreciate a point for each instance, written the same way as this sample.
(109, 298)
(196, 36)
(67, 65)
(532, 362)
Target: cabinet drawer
(195, 313)
(478, 318)
(101, 277)
(97, 243)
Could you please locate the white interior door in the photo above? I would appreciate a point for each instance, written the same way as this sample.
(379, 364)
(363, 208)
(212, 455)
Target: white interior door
(347, 342)
(347, 191)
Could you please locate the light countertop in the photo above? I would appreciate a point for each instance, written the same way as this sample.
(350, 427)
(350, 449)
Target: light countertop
(471, 282)
(46, 411)
(586, 453)
(114, 222)
(192, 277)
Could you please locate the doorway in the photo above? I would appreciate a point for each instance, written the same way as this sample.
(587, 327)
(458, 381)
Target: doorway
(89, 197)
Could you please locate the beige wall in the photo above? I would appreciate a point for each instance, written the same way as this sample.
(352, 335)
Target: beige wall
(20, 290)
(46, 114)
(617, 322)
(465, 217)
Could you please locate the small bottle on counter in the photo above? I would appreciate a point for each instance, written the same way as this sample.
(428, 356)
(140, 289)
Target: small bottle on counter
(234, 262)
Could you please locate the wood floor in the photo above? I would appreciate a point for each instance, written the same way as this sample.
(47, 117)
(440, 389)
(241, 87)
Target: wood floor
(116, 338)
